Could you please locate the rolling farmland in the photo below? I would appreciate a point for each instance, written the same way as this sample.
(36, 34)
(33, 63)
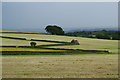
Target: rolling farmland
(58, 66)
(85, 43)
(61, 66)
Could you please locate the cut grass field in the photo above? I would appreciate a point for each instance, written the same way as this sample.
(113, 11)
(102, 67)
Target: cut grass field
(85, 43)
(18, 32)
(14, 42)
(61, 66)
(0, 66)
(27, 49)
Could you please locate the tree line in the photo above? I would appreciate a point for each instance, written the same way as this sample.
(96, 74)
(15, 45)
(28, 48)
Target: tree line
(102, 34)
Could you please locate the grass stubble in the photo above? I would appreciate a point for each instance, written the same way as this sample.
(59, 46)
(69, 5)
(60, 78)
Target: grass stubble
(61, 66)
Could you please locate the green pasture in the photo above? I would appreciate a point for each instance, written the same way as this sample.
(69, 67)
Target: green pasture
(85, 43)
(26, 49)
(87, 65)
(93, 44)
(14, 42)
(20, 32)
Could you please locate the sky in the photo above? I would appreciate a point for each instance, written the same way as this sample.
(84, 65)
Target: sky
(119, 16)
(0, 16)
(35, 16)
(60, 0)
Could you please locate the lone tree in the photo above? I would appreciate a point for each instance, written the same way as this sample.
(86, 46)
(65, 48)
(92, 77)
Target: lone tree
(75, 42)
(33, 44)
(54, 30)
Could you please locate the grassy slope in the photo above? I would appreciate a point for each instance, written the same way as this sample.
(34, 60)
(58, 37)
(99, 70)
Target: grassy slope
(13, 42)
(61, 66)
(26, 49)
(11, 31)
(0, 67)
(86, 43)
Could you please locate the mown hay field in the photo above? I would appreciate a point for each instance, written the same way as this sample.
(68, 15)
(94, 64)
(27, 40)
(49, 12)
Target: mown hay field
(12, 31)
(85, 43)
(26, 49)
(14, 42)
(0, 66)
(61, 66)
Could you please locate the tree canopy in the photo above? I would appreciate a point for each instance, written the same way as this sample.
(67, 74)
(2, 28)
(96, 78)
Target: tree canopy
(54, 30)
(101, 34)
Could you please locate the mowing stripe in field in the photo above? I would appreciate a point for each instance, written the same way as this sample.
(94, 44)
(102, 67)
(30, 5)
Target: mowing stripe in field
(27, 49)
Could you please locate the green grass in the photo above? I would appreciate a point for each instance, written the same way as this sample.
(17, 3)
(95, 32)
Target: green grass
(26, 49)
(14, 42)
(85, 43)
(82, 65)
(18, 32)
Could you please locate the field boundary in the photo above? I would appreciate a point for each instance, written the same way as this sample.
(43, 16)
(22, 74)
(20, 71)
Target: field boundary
(33, 39)
(45, 47)
(72, 51)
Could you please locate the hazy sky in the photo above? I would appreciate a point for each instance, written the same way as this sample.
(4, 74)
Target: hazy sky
(68, 15)
(0, 15)
(60, 0)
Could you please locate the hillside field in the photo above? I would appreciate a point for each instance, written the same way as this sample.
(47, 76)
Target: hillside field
(58, 66)
(85, 43)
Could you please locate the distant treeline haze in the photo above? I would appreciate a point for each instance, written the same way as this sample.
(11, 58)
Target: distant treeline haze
(103, 34)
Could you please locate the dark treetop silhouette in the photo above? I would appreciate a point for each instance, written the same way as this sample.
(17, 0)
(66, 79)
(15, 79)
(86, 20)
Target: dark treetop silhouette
(54, 30)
